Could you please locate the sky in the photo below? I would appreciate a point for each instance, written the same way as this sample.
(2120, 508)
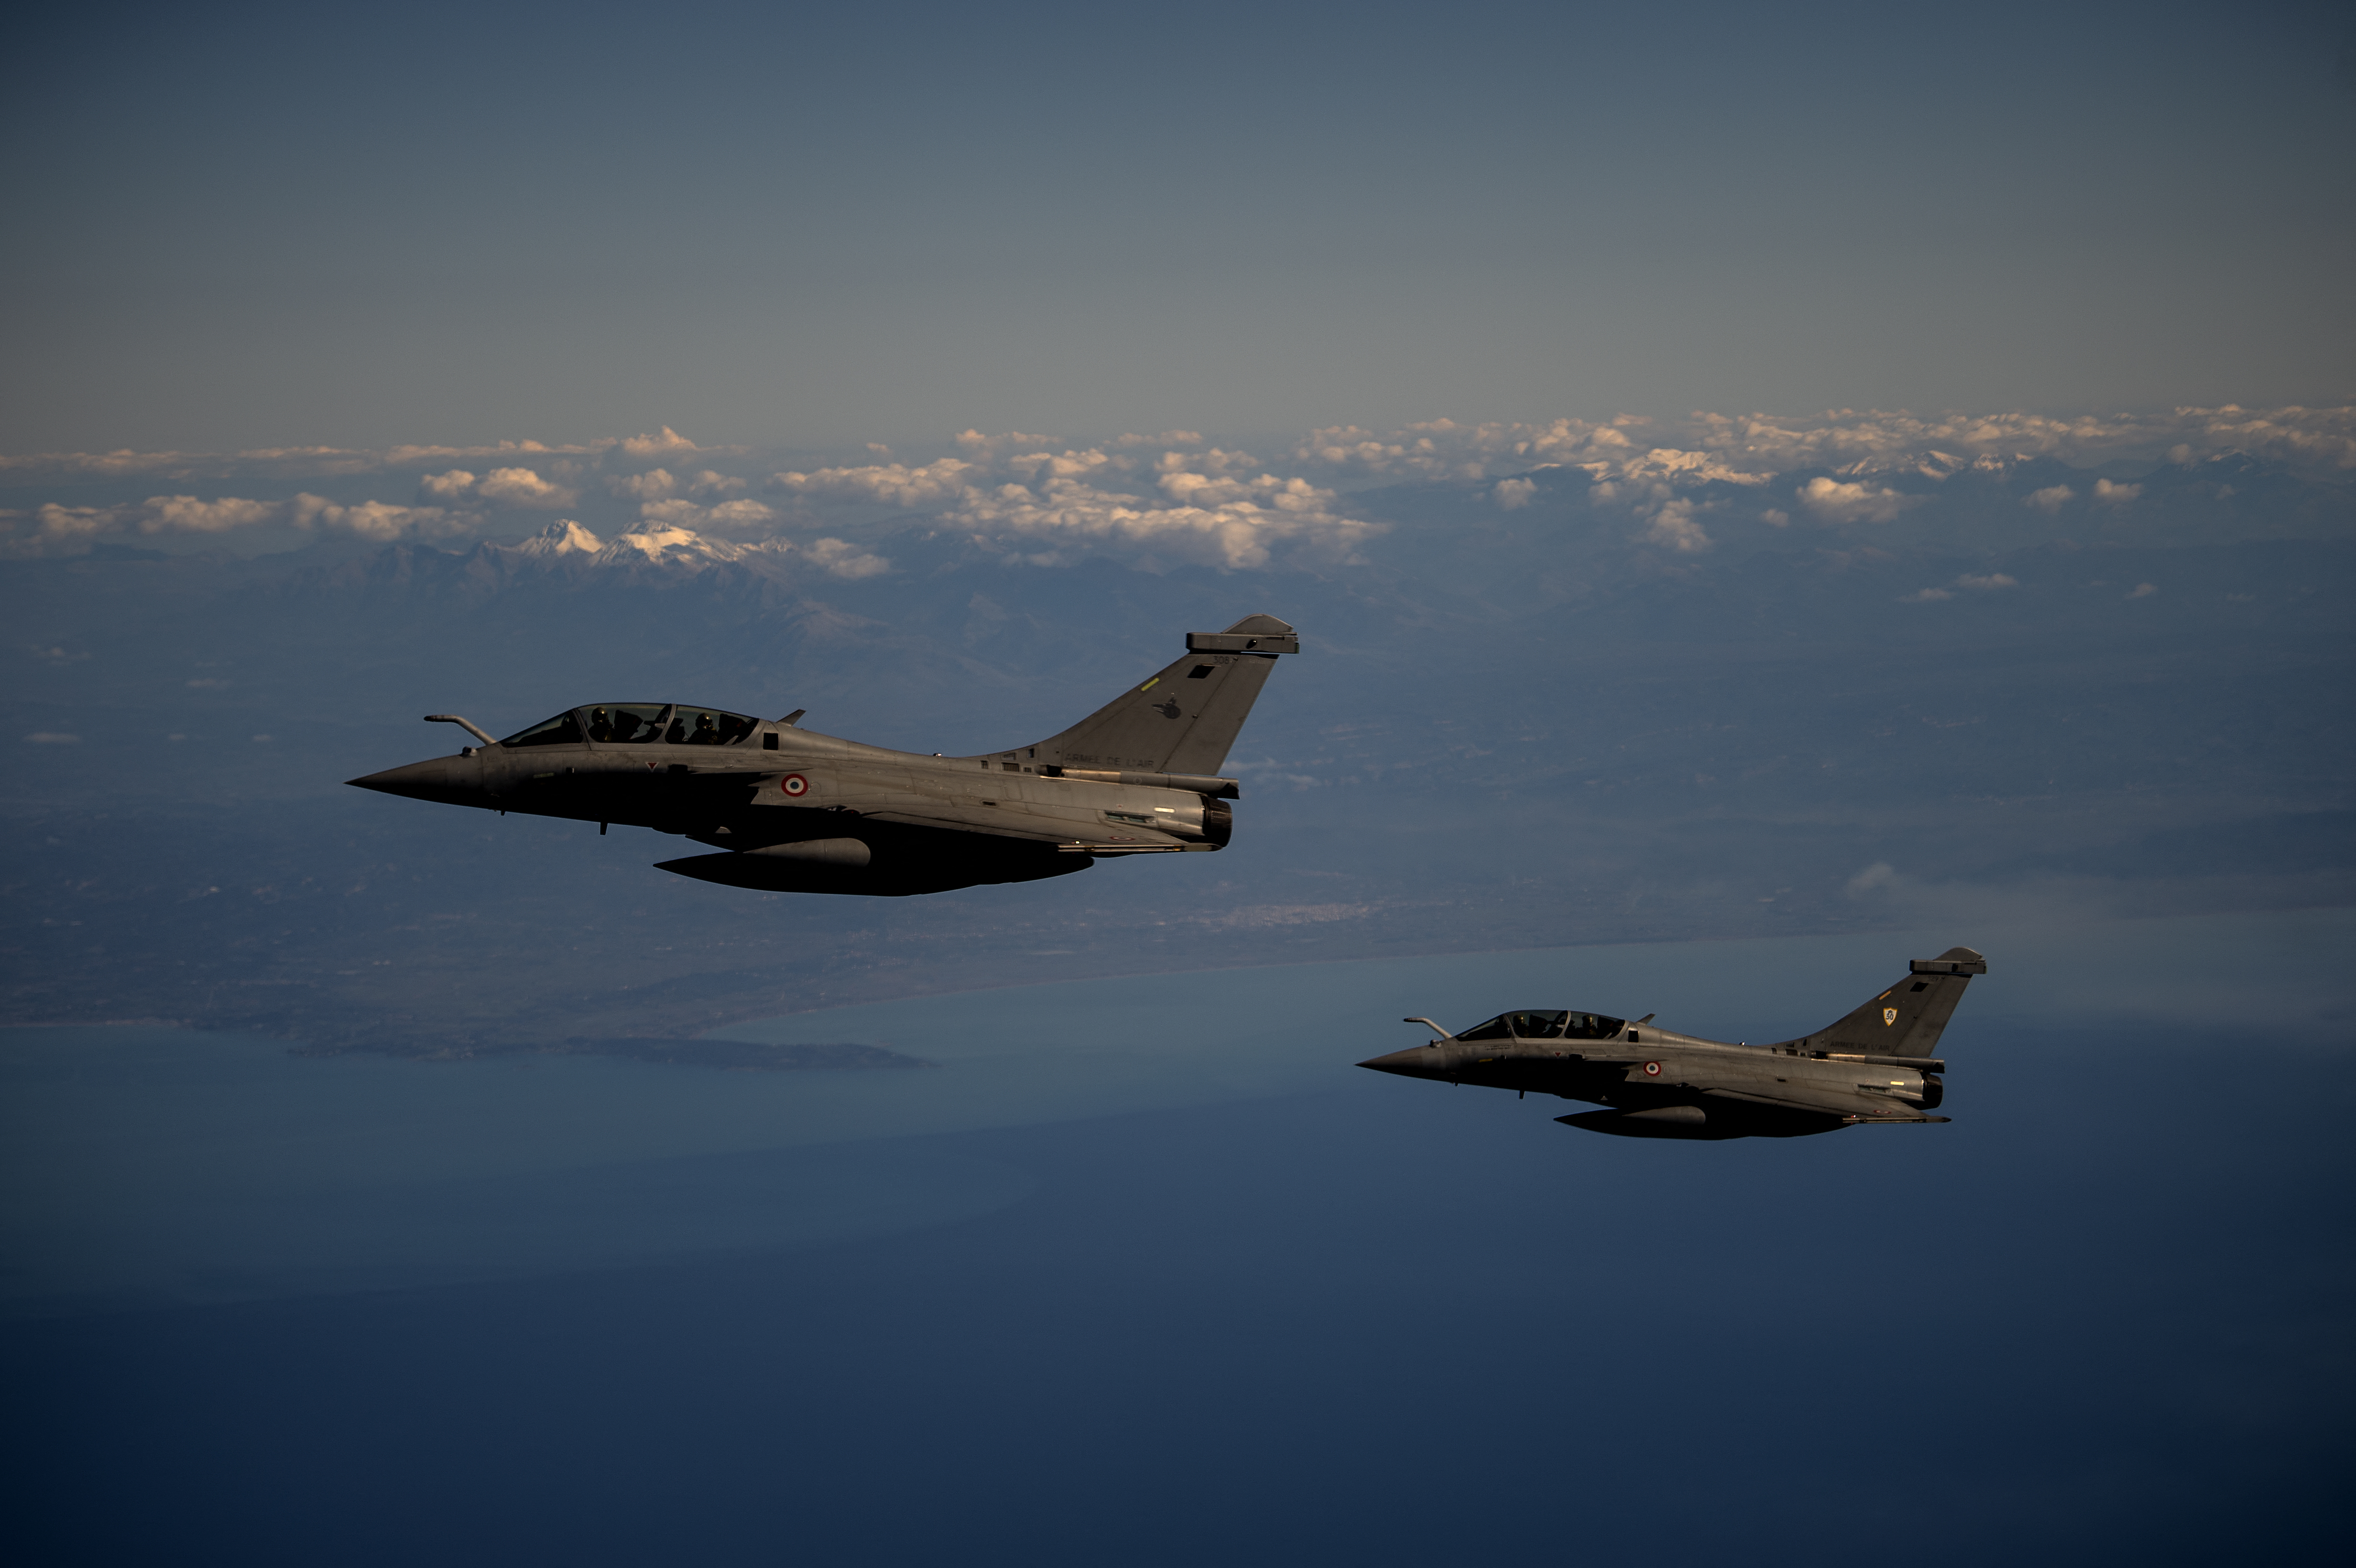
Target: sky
(263, 226)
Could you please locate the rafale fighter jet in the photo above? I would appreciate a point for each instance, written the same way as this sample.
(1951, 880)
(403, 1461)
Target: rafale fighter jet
(796, 811)
(1875, 1065)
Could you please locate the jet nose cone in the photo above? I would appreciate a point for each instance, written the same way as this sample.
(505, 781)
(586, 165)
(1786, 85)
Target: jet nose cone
(1422, 1062)
(420, 781)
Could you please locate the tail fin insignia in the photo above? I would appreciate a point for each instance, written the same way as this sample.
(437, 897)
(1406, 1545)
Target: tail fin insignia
(1908, 1018)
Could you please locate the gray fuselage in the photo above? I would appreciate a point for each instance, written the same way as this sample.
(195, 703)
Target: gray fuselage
(800, 810)
(1643, 1067)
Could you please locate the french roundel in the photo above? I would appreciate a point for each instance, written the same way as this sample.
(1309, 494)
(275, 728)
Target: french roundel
(794, 785)
(1652, 1069)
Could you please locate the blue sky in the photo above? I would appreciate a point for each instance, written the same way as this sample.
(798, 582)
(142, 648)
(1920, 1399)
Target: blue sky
(272, 226)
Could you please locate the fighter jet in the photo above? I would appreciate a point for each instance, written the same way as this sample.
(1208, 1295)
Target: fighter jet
(791, 810)
(1873, 1066)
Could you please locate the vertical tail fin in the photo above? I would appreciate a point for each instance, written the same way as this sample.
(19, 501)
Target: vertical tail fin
(1908, 1018)
(1183, 719)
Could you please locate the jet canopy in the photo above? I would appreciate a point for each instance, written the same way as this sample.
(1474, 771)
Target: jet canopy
(1546, 1026)
(637, 724)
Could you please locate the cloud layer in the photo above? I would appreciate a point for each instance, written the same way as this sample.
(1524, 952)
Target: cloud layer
(1211, 508)
(1160, 501)
(1755, 448)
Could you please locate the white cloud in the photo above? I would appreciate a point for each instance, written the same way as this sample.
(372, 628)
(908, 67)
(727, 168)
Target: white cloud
(1672, 526)
(100, 464)
(189, 514)
(669, 440)
(2143, 591)
(1851, 501)
(1512, 494)
(1878, 439)
(1230, 489)
(1213, 507)
(2051, 500)
(2109, 494)
(1217, 459)
(1443, 449)
(727, 517)
(1752, 448)
(290, 462)
(984, 445)
(501, 486)
(1775, 518)
(185, 513)
(379, 521)
(523, 487)
(654, 485)
(1874, 878)
(886, 484)
(53, 738)
(293, 460)
(670, 443)
(661, 484)
(1223, 522)
(2318, 437)
(410, 457)
(1094, 463)
(846, 559)
(79, 522)
(1992, 582)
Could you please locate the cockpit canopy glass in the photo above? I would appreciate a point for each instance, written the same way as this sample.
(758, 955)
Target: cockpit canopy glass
(1545, 1026)
(628, 723)
(636, 723)
(707, 727)
(565, 729)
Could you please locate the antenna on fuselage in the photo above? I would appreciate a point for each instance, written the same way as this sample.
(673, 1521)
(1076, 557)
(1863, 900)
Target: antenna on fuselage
(791, 720)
